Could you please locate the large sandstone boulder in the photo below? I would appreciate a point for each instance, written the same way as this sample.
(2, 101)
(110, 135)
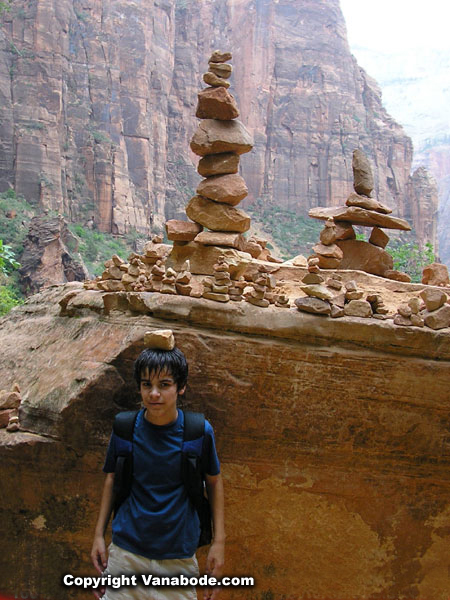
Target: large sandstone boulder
(213, 137)
(362, 256)
(203, 258)
(217, 216)
(229, 189)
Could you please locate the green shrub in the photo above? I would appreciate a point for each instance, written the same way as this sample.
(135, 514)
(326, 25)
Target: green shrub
(292, 233)
(9, 298)
(410, 258)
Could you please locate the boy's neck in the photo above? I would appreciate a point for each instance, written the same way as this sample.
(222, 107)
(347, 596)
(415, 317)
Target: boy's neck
(163, 419)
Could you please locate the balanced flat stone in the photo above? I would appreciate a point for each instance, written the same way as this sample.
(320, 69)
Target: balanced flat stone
(182, 231)
(214, 137)
(313, 305)
(220, 69)
(368, 203)
(214, 80)
(359, 216)
(216, 103)
(362, 256)
(217, 216)
(220, 57)
(362, 173)
(218, 164)
(229, 189)
(219, 238)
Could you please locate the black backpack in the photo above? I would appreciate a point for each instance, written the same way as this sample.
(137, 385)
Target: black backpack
(191, 466)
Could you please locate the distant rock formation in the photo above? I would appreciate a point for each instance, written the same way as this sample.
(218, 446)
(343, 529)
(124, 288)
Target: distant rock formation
(46, 258)
(97, 101)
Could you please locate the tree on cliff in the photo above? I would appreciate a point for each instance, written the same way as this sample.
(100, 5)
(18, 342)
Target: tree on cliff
(8, 292)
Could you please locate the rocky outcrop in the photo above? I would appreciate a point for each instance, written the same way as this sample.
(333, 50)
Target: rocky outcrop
(98, 101)
(46, 257)
(323, 425)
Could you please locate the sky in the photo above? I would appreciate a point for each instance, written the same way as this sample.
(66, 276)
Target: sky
(388, 25)
(405, 46)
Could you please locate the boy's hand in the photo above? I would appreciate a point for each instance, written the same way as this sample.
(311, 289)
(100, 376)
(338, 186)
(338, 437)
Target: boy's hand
(214, 565)
(98, 554)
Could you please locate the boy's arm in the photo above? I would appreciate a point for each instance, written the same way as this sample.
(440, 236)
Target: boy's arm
(98, 552)
(215, 560)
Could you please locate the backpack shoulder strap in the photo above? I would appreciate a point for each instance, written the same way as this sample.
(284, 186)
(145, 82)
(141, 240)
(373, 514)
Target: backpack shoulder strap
(124, 424)
(194, 425)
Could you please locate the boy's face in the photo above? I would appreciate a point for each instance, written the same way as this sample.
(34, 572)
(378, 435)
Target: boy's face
(159, 397)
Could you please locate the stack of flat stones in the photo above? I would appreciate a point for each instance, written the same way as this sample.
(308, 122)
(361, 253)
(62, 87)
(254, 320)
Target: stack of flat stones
(144, 273)
(430, 310)
(262, 283)
(9, 408)
(338, 247)
(220, 139)
(218, 286)
(337, 299)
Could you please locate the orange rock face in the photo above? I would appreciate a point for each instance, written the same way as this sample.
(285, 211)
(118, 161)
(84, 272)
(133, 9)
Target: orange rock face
(332, 433)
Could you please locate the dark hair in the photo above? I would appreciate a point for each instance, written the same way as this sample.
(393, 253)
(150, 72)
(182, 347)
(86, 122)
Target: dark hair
(156, 360)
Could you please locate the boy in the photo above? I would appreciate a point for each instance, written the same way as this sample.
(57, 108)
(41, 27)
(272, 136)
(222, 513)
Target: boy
(156, 528)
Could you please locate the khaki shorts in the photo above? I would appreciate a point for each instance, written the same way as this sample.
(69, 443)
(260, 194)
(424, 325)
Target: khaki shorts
(123, 562)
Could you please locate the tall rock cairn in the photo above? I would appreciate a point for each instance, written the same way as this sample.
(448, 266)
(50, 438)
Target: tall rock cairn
(219, 140)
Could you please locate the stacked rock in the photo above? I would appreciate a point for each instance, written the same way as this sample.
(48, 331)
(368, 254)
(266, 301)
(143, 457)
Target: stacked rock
(237, 288)
(261, 283)
(408, 314)
(183, 281)
(219, 140)
(282, 301)
(136, 275)
(9, 408)
(217, 287)
(156, 276)
(379, 309)
(328, 253)
(168, 282)
(360, 209)
(354, 305)
(436, 274)
(318, 297)
(437, 312)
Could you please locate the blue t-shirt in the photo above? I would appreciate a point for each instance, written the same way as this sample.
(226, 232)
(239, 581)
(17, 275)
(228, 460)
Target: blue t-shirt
(157, 520)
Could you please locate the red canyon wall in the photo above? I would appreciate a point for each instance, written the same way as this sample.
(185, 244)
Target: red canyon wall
(98, 100)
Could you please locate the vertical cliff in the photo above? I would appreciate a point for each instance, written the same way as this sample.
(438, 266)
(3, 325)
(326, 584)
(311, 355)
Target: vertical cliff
(98, 98)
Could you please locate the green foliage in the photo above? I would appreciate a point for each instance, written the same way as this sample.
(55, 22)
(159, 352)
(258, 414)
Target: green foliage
(293, 233)
(9, 298)
(410, 258)
(7, 259)
(15, 217)
(5, 6)
(96, 247)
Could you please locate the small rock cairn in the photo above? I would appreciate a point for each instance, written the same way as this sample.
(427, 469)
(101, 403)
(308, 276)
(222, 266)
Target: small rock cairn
(9, 408)
(431, 310)
(338, 247)
(335, 298)
(144, 273)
